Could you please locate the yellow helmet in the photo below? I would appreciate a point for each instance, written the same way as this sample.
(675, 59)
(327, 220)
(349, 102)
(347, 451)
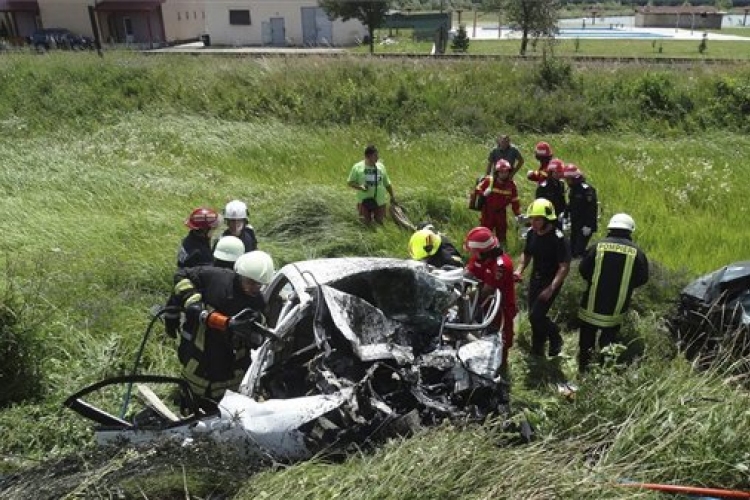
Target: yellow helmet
(424, 243)
(541, 207)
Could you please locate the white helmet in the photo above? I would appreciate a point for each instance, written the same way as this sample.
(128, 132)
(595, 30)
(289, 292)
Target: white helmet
(235, 209)
(229, 248)
(621, 221)
(256, 265)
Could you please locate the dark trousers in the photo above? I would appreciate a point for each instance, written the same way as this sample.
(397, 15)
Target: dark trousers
(578, 242)
(542, 327)
(587, 342)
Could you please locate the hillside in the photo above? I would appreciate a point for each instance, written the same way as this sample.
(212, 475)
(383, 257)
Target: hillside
(104, 158)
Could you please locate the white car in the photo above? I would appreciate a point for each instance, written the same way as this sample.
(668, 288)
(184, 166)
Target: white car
(358, 349)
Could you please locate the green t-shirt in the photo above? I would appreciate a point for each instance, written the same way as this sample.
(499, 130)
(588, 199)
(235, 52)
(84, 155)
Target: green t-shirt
(374, 178)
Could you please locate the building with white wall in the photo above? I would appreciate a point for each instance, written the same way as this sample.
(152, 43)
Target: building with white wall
(151, 23)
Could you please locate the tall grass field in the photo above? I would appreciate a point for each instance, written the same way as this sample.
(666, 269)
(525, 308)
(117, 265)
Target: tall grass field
(103, 159)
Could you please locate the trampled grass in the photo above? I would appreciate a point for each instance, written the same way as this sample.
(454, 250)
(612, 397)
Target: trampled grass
(93, 217)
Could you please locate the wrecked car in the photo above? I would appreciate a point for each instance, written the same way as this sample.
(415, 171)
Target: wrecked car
(713, 313)
(358, 349)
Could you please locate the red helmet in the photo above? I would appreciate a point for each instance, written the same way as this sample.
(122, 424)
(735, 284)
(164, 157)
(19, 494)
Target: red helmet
(543, 150)
(503, 166)
(202, 218)
(480, 239)
(572, 171)
(556, 166)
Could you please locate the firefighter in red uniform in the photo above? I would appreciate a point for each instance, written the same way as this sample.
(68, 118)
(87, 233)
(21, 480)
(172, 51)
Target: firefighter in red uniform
(543, 154)
(499, 191)
(494, 268)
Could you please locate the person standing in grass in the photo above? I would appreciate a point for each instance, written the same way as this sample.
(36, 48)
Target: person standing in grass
(499, 192)
(507, 151)
(549, 185)
(236, 216)
(494, 268)
(548, 250)
(583, 210)
(370, 179)
(196, 246)
(227, 250)
(223, 308)
(612, 269)
(543, 154)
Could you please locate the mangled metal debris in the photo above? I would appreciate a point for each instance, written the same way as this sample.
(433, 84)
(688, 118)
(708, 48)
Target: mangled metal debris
(362, 349)
(713, 313)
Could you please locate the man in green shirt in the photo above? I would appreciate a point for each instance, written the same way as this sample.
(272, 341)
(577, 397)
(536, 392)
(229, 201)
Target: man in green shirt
(370, 179)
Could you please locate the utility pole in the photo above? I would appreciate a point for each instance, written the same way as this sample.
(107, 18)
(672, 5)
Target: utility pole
(95, 29)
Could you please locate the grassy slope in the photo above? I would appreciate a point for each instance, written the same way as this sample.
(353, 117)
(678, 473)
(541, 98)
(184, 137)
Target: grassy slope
(93, 219)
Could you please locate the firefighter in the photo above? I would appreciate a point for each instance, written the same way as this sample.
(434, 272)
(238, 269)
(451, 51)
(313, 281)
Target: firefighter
(222, 309)
(227, 250)
(548, 250)
(196, 246)
(236, 216)
(494, 268)
(549, 185)
(543, 154)
(612, 269)
(583, 210)
(499, 192)
(435, 249)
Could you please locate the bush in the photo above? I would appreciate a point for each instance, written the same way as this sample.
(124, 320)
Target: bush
(461, 40)
(20, 374)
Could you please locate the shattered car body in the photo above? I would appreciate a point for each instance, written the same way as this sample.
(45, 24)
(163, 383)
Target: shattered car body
(714, 311)
(359, 349)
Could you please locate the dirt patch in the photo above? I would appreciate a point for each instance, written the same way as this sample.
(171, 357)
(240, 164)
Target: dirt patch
(168, 470)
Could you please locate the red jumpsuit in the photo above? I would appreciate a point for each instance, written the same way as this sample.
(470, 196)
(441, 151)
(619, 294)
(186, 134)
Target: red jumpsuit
(494, 214)
(496, 272)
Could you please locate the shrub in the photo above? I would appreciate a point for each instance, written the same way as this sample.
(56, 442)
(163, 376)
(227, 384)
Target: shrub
(20, 374)
(461, 40)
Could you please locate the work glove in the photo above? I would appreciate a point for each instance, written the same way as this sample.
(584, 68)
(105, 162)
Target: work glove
(517, 277)
(586, 231)
(172, 323)
(246, 327)
(487, 192)
(519, 220)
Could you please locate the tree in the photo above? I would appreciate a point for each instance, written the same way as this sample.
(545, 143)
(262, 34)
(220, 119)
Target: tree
(533, 17)
(461, 40)
(371, 14)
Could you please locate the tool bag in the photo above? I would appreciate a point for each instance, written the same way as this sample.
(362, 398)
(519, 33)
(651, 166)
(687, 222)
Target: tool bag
(476, 199)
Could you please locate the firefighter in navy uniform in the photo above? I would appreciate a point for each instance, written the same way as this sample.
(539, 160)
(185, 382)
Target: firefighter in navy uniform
(550, 186)
(196, 246)
(427, 245)
(236, 217)
(583, 210)
(613, 268)
(222, 307)
(548, 249)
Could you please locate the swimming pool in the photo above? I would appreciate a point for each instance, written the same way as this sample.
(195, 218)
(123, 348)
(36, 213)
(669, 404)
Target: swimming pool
(602, 33)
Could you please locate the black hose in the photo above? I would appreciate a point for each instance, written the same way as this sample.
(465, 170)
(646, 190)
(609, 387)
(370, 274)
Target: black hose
(157, 315)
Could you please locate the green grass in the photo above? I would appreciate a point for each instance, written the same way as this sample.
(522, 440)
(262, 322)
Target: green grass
(93, 212)
(639, 49)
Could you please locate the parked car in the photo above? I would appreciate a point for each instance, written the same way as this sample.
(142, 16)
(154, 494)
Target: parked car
(713, 314)
(60, 38)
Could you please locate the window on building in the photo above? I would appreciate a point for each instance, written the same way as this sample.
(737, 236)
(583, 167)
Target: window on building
(241, 17)
(179, 16)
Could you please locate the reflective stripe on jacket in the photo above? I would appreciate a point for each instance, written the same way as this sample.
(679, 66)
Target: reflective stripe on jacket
(613, 268)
